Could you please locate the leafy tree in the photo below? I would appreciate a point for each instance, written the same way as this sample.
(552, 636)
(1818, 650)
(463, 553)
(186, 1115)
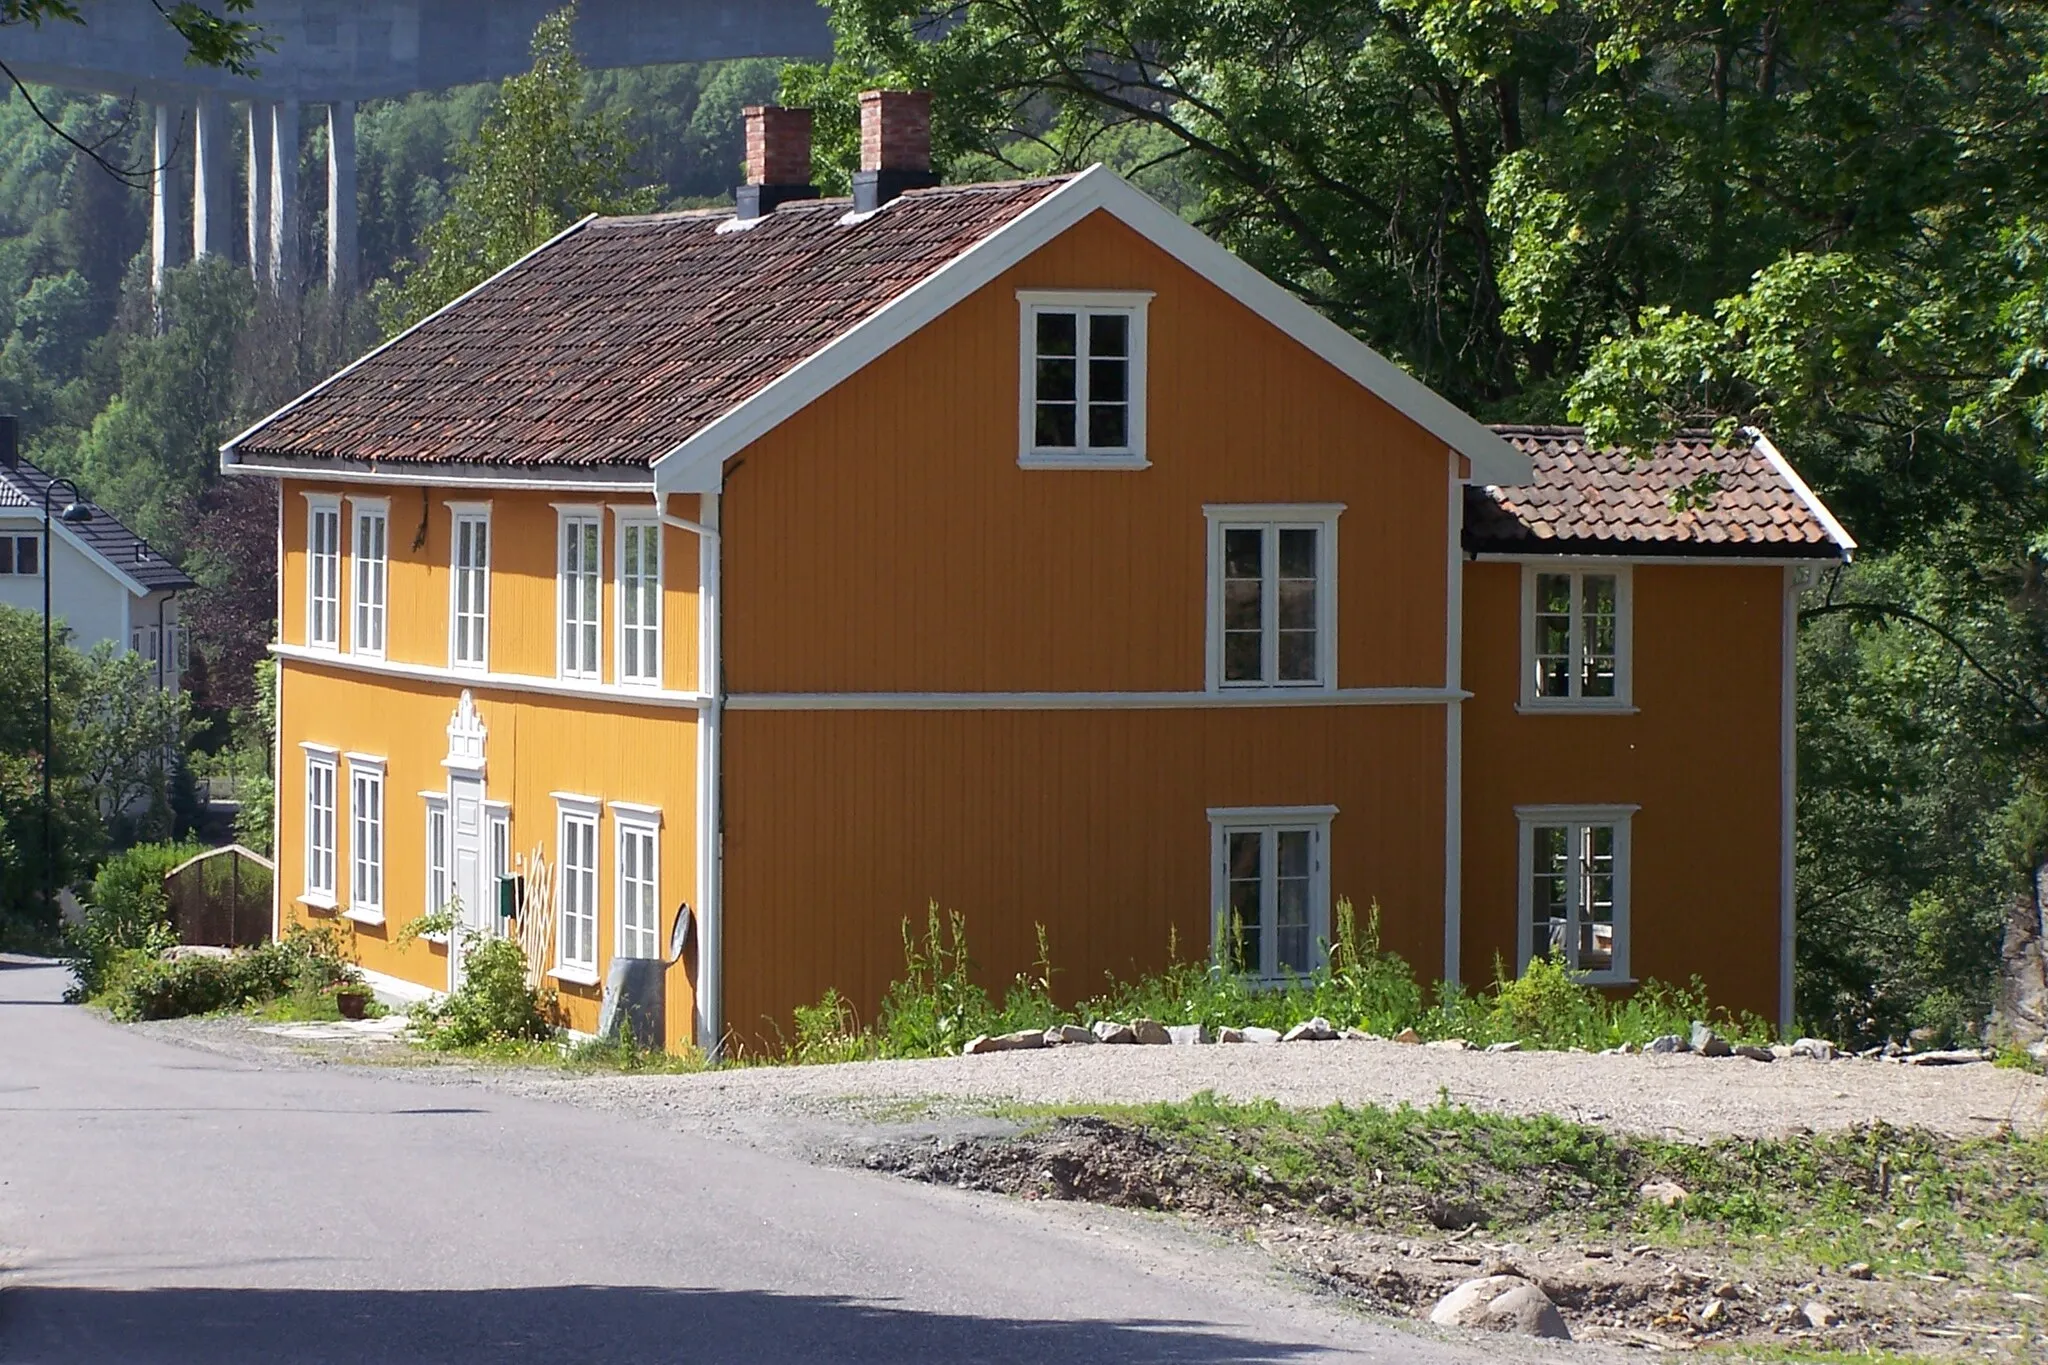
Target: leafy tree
(75, 826)
(132, 735)
(538, 164)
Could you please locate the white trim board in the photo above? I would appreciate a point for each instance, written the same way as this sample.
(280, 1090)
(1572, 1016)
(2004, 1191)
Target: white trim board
(1090, 701)
(398, 988)
(1836, 531)
(697, 465)
(488, 682)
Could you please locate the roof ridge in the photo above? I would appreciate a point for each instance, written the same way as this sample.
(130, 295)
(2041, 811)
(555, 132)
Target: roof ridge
(840, 202)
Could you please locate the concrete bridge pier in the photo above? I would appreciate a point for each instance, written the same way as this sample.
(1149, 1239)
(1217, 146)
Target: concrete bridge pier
(341, 198)
(286, 270)
(212, 233)
(259, 190)
(164, 221)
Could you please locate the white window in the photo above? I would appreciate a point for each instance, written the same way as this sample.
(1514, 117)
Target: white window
(1082, 381)
(579, 586)
(320, 826)
(369, 549)
(576, 859)
(1574, 887)
(1272, 596)
(501, 849)
(366, 837)
(1270, 888)
(145, 641)
(323, 571)
(181, 649)
(1575, 641)
(438, 888)
(21, 555)
(469, 592)
(639, 647)
(639, 880)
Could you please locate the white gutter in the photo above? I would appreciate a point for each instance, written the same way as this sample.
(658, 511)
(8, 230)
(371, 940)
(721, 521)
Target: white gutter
(710, 877)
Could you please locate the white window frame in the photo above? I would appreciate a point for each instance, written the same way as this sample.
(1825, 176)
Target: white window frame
(476, 513)
(439, 886)
(323, 859)
(650, 633)
(1134, 304)
(1273, 518)
(1268, 821)
(15, 541)
(571, 808)
(571, 520)
(1624, 636)
(1576, 817)
(631, 821)
(370, 575)
(498, 846)
(367, 827)
(323, 569)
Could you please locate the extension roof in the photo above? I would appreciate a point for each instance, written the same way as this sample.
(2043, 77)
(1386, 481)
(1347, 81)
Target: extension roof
(119, 550)
(672, 341)
(1584, 501)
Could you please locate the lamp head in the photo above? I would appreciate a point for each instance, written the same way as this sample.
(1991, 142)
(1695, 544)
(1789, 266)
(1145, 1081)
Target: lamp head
(75, 513)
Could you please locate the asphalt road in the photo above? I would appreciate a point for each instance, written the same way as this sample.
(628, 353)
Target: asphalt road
(158, 1203)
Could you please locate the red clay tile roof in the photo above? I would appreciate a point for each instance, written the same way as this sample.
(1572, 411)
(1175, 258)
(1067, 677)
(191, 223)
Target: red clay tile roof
(1608, 502)
(629, 334)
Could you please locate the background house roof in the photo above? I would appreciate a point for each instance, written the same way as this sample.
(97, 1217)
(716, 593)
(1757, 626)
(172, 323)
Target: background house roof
(1587, 501)
(628, 335)
(22, 488)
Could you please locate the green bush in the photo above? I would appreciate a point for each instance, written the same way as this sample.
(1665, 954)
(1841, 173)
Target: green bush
(126, 910)
(493, 1005)
(141, 985)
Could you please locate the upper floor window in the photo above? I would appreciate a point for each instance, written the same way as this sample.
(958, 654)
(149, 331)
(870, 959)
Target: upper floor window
(639, 647)
(1575, 636)
(368, 548)
(1083, 379)
(1575, 884)
(1270, 874)
(579, 586)
(21, 555)
(469, 592)
(323, 571)
(1272, 596)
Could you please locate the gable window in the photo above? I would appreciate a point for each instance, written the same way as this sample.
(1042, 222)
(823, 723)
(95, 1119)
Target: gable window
(1082, 381)
(576, 936)
(639, 647)
(368, 548)
(1576, 635)
(1272, 596)
(323, 571)
(320, 826)
(366, 838)
(1574, 888)
(1270, 883)
(579, 586)
(469, 591)
(439, 889)
(639, 884)
(21, 555)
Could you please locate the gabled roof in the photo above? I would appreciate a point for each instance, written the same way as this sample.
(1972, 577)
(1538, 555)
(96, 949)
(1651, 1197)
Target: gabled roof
(672, 341)
(113, 546)
(1607, 501)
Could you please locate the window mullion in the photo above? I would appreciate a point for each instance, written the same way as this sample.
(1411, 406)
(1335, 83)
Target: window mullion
(1574, 890)
(1575, 645)
(1269, 606)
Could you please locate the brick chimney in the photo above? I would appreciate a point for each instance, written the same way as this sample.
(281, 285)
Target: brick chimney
(895, 146)
(778, 159)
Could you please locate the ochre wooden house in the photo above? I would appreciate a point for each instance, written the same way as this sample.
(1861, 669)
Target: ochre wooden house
(781, 570)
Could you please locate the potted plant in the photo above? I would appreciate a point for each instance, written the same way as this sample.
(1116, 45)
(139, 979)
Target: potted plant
(352, 998)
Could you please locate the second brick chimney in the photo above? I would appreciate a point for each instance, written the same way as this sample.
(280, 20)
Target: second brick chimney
(778, 159)
(895, 146)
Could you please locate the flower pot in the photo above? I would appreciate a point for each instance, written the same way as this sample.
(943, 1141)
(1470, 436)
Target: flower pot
(352, 1004)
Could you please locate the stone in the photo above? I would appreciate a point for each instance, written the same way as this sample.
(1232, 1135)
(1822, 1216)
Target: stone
(1060, 1034)
(1227, 1034)
(1668, 1044)
(1110, 1031)
(1501, 1303)
(1713, 1313)
(1358, 1035)
(1184, 1035)
(1004, 1042)
(1708, 1043)
(1407, 1035)
(1316, 1030)
(179, 951)
(1619, 1050)
(1820, 1316)
(1150, 1031)
(1510, 1046)
(1668, 1193)
(1814, 1049)
(1450, 1045)
(1253, 1033)
(1857, 1270)
(1755, 1053)
(1960, 1056)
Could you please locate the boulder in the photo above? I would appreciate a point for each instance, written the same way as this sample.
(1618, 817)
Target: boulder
(1060, 1034)
(1227, 1034)
(1511, 1045)
(1959, 1056)
(1004, 1042)
(1150, 1031)
(1316, 1030)
(1667, 1045)
(1255, 1034)
(178, 951)
(1184, 1035)
(1407, 1035)
(1110, 1031)
(1450, 1045)
(1358, 1035)
(1755, 1053)
(1820, 1316)
(1668, 1193)
(1501, 1303)
(1708, 1043)
(1814, 1049)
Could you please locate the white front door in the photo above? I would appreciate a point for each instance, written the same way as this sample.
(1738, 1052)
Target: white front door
(469, 865)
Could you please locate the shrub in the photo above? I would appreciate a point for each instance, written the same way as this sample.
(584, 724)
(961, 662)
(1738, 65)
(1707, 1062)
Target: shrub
(141, 985)
(125, 910)
(493, 1005)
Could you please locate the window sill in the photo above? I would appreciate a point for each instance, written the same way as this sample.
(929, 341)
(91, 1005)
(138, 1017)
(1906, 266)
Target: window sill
(361, 916)
(323, 905)
(438, 940)
(575, 976)
(1071, 461)
(1575, 708)
(1606, 980)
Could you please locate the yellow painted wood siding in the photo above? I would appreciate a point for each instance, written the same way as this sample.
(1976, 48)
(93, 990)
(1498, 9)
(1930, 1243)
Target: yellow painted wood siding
(1700, 757)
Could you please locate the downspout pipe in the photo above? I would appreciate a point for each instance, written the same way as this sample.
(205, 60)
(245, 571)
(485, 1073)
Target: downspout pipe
(711, 682)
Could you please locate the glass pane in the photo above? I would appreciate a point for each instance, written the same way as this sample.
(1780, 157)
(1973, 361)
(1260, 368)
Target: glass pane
(1298, 656)
(1554, 592)
(1055, 381)
(1244, 553)
(1056, 333)
(1550, 910)
(1108, 426)
(1054, 426)
(1290, 915)
(1596, 914)
(1245, 902)
(1107, 380)
(1109, 334)
(1297, 604)
(1241, 661)
(1241, 603)
(1597, 631)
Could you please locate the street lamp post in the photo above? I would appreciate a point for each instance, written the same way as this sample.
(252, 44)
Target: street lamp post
(75, 511)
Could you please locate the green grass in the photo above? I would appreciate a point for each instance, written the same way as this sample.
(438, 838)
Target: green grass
(1795, 1355)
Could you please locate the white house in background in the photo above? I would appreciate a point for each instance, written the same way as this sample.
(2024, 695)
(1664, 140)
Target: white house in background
(109, 585)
